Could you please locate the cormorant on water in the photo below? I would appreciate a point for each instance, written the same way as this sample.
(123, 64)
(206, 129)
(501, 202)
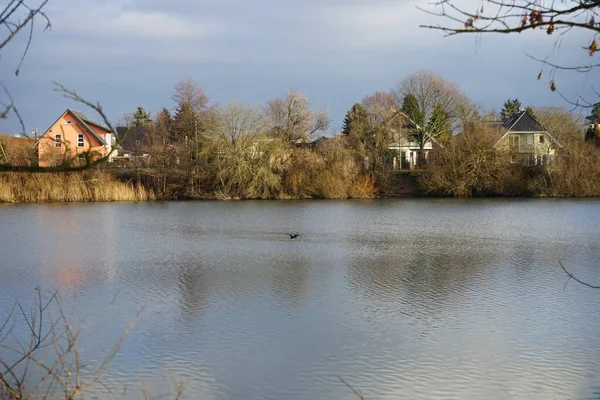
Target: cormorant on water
(293, 236)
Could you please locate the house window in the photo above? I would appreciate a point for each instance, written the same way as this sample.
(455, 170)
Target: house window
(137, 142)
(57, 140)
(529, 140)
(542, 159)
(69, 122)
(514, 142)
(541, 138)
(80, 140)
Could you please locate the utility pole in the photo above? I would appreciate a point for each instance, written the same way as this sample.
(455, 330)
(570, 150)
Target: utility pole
(35, 155)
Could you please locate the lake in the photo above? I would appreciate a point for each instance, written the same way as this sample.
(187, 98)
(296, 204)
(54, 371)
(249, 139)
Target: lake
(401, 298)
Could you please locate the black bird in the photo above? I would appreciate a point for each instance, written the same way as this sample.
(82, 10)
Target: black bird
(293, 236)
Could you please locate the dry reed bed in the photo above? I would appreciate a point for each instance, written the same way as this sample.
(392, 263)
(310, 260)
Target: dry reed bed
(68, 187)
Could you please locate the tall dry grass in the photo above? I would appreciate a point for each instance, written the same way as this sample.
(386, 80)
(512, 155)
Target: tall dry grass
(68, 187)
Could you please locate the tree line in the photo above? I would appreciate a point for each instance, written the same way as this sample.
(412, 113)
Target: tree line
(204, 150)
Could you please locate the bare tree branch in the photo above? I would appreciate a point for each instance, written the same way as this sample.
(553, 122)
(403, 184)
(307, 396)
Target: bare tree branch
(519, 16)
(571, 276)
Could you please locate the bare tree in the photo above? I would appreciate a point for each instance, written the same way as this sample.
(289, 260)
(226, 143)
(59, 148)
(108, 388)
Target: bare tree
(382, 108)
(518, 16)
(46, 362)
(386, 125)
(237, 123)
(432, 104)
(291, 117)
(563, 124)
(190, 92)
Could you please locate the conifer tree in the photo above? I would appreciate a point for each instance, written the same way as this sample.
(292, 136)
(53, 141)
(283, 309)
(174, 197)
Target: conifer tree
(141, 117)
(530, 111)
(592, 134)
(410, 107)
(594, 117)
(356, 122)
(164, 123)
(509, 108)
(185, 123)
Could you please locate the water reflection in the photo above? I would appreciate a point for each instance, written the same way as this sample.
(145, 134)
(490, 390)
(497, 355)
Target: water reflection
(193, 286)
(404, 299)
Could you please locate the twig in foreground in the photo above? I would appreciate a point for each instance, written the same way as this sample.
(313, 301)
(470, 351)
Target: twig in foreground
(571, 276)
(355, 391)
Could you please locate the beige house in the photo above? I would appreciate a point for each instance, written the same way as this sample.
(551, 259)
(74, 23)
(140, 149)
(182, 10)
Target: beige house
(71, 138)
(529, 142)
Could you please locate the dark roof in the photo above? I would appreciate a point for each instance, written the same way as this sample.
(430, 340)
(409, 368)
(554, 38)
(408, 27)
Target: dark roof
(522, 121)
(129, 135)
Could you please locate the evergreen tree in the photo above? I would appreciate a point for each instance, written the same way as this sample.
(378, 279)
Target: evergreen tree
(439, 125)
(510, 107)
(592, 134)
(410, 107)
(347, 126)
(185, 123)
(594, 117)
(356, 122)
(164, 123)
(530, 111)
(141, 117)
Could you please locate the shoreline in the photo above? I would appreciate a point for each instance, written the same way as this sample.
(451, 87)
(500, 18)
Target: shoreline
(216, 198)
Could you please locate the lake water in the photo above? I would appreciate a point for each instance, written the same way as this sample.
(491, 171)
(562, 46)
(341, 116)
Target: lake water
(414, 299)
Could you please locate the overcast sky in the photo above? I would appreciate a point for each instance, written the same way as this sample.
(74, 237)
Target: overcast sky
(127, 53)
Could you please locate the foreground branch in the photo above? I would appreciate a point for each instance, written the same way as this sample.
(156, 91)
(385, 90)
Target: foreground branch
(571, 276)
(521, 16)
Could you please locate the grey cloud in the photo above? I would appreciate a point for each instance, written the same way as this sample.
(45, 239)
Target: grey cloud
(131, 52)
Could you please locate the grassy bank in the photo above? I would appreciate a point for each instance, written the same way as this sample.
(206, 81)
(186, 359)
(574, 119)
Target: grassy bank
(69, 187)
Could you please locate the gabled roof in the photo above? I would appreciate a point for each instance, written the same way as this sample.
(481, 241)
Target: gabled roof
(522, 121)
(84, 121)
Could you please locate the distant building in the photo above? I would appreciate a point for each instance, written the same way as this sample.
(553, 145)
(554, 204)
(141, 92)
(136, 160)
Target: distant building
(71, 137)
(133, 139)
(527, 139)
